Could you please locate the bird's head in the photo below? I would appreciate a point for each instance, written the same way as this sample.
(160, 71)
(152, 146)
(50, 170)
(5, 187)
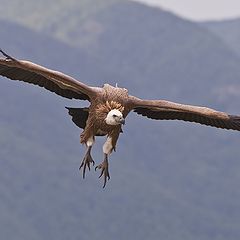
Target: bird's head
(114, 117)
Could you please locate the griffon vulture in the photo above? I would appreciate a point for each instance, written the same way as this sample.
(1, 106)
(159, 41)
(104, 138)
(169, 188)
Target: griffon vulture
(109, 107)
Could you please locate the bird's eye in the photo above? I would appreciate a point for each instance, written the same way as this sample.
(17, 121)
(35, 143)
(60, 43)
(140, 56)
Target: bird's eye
(114, 115)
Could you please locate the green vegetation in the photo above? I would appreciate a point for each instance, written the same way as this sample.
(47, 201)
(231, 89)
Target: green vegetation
(57, 18)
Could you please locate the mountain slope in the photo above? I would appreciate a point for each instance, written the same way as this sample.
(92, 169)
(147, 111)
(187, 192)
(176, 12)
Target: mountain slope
(228, 31)
(55, 18)
(150, 46)
(169, 180)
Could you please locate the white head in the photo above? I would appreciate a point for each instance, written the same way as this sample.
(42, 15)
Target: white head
(115, 117)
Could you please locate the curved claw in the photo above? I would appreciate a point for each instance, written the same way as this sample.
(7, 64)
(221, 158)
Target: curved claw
(87, 160)
(105, 173)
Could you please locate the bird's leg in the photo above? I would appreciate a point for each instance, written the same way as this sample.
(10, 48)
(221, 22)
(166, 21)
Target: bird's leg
(107, 149)
(87, 160)
(104, 170)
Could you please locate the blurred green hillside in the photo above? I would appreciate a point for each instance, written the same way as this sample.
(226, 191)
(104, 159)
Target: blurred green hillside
(60, 19)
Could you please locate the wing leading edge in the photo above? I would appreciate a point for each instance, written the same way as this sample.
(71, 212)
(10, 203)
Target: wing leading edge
(165, 110)
(53, 81)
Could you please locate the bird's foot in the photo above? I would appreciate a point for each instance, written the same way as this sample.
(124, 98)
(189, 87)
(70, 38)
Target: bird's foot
(104, 170)
(87, 160)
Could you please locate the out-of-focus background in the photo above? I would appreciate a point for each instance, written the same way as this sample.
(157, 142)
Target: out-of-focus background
(169, 180)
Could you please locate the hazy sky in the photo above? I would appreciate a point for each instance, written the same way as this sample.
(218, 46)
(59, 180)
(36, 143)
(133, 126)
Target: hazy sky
(200, 9)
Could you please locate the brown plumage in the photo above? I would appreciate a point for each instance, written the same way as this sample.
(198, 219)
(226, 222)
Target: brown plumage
(109, 107)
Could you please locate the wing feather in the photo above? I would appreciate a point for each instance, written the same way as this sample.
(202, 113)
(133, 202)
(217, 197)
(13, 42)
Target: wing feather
(79, 116)
(165, 110)
(53, 81)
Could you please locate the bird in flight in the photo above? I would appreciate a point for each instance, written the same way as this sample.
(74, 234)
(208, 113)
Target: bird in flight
(109, 107)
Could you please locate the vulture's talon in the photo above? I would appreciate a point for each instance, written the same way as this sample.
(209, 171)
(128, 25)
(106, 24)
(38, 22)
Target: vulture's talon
(86, 162)
(104, 171)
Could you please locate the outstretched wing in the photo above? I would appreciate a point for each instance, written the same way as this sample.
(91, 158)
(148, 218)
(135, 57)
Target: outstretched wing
(53, 81)
(164, 110)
